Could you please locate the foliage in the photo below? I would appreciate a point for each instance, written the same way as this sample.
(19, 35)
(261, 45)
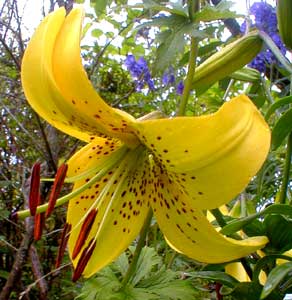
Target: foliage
(139, 64)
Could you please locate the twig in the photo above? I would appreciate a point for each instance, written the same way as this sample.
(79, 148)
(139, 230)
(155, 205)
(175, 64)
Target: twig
(20, 259)
(38, 273)
(43, 277)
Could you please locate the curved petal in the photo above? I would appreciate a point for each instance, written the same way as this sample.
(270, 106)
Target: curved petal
(78, 90)
(186, 228)
(41, 68)
(107, 217)
(37, 79)
(92, 157)
(212, 158)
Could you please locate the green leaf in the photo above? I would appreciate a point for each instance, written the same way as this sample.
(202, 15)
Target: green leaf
(279, 232)
(251, 291)
(173, 45)
(236, 225)
(246, 74)
(216, 276)
(257, 94)
(275, 277)
(4, 274)
(172, 8)
(281, 129)
(100, 6)
(147, 260)
(96, 33)
(211, 13)
(279, 103)
(265, 261)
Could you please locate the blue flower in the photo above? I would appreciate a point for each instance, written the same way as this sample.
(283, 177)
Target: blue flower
(265, 19)
(139, 71)
(168, 77)
(180, 88)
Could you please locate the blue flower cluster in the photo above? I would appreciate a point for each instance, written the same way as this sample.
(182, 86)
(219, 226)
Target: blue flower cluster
(265, 19)
(168, 78)
(139, 71)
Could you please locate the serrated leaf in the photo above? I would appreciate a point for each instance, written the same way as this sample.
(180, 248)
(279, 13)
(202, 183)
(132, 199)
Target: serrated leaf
(279, 103)
(173, 45)
(174, 290)
(281, 129)
(216, 276)
(236, 225)
(147, 260)
(211, 13)
(172, 8)
(171, 21)
(122, 264)
(275, 277)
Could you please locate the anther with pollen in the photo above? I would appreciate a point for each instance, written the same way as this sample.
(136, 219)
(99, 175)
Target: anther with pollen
(84, 232)
(62, 246)
(39, 222)
(83, 260)
(57, 186)
(34, 192)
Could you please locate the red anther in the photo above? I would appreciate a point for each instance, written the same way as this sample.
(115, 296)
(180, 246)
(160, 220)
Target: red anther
(39, 222)
(57, 186)
(84, 258)
(84, 232)
(62, 246)
(34, 192)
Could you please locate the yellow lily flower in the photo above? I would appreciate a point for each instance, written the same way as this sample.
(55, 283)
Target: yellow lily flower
(177, 167)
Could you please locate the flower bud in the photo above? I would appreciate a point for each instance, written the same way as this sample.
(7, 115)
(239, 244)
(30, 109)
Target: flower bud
(231, 58)
(284, 15)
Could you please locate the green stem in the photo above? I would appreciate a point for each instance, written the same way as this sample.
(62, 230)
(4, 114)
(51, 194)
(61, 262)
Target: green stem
(132, 268)
(286, 173)
(219, 217)
(193, 6)
(189, 79)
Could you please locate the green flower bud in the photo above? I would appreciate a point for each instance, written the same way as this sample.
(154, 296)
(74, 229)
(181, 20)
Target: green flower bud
(284, 15)
(228, 60)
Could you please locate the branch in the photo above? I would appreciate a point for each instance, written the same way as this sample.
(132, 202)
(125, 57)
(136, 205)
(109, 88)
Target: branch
(20, 259)
(38, 273)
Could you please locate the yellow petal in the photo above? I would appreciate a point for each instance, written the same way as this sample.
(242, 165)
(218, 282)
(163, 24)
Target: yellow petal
(188, 230)
(37, 78)
(76, 86)
(119, 212)
(92, 157)
(57, 87)
(237, 271)
(213, 157)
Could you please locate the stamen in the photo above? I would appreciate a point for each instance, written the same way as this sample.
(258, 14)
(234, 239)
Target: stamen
(39, 222)
(84, 258)
(34, 192)
(58, 183)
(114, 160)
(84, 232)
(62, 246)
